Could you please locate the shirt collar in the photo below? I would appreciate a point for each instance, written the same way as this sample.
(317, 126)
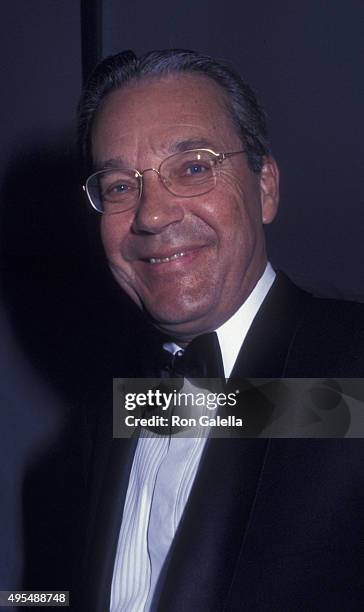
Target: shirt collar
(232, 333)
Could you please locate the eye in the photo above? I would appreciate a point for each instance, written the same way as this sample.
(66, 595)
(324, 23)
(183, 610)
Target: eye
(118, 188)
(194, 169)
(188, 168)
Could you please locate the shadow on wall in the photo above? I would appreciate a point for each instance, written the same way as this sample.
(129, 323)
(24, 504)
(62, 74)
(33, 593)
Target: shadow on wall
(53, 276)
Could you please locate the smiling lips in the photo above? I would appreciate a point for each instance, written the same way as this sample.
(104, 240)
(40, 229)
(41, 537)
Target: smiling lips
(157, 260)
(168, 256)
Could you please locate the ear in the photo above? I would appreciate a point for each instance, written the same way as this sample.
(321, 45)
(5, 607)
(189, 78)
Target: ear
(269, 189)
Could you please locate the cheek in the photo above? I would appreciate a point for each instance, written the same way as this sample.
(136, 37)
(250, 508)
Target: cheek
(235, 213)
(107, 234)
(112, 233)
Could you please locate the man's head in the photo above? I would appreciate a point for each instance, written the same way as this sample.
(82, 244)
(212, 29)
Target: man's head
(189, 262)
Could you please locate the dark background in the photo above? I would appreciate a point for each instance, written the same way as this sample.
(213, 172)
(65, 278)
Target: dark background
(59, 315)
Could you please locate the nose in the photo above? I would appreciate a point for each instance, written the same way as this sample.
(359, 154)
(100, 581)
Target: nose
(157, 207)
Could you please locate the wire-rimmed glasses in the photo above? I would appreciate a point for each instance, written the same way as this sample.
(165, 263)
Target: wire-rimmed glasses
(185, 175)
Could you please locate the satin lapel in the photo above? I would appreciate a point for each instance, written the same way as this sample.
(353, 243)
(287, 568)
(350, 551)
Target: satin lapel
(266, 347)
(113, 460)
(204, 553)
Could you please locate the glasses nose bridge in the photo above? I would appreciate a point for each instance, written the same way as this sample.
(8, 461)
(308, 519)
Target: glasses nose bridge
(156, 170)
(141, 177)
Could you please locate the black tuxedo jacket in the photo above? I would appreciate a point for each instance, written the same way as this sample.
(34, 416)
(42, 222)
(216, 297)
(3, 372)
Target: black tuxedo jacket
(271, 524)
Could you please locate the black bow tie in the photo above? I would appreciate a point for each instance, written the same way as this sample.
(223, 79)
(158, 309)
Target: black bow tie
(201, 359)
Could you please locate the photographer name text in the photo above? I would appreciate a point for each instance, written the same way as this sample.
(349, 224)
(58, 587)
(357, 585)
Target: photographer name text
(178, 421)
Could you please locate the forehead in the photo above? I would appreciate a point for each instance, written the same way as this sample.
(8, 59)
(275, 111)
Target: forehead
(158, 114)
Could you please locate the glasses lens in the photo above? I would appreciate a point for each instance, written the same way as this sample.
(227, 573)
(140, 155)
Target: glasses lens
(113, 191)
(189, 174)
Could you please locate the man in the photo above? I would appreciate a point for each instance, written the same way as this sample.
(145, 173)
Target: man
(182, 174)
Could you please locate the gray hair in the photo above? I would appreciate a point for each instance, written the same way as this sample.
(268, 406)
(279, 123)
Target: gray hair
(117, 70)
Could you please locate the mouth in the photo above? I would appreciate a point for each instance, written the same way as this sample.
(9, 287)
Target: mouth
(177, 257)
(159, 260)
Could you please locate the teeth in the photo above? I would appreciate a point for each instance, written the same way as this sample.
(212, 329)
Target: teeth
(155, 260)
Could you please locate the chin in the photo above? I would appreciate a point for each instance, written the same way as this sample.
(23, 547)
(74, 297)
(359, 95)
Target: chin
(179, 317)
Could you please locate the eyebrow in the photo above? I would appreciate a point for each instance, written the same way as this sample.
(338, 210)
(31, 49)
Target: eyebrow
(113, 162)
(191, 143)
(178, 146)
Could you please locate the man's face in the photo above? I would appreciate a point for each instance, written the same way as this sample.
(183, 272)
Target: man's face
(220, 233)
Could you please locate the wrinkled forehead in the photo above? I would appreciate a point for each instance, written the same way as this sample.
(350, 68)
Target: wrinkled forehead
(166, 114)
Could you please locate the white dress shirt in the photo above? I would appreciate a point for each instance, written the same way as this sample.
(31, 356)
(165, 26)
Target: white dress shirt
(161, 478)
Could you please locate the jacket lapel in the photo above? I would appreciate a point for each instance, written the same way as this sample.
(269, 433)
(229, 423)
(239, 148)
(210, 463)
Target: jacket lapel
(266, 348)
(202, 559)
(109, 479)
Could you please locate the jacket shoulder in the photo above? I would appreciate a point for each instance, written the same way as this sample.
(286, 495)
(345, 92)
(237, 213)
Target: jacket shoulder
(330, 339)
